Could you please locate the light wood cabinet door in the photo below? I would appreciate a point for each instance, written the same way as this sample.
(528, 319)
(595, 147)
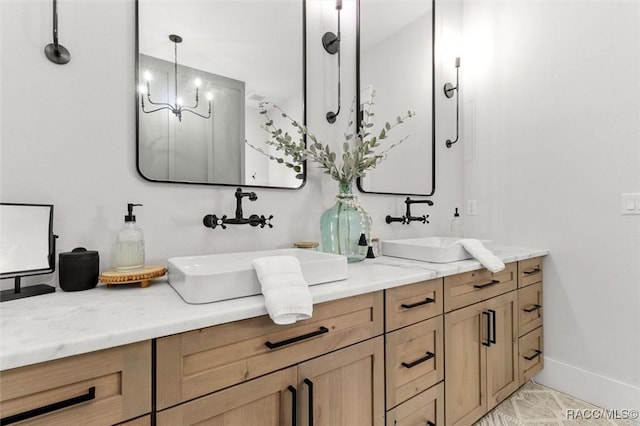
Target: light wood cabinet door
(502, 354)
(97, 388)
(345, 387)
(466, 333)
(425, 409)
(267, 401)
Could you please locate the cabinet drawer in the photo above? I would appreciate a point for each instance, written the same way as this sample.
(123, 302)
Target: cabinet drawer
(531, 357)
(202, 361)
(412, 303)
(529, 308)
(471, 287)
(529, 271)
(424, 409)
(98, 388)
(415, 359)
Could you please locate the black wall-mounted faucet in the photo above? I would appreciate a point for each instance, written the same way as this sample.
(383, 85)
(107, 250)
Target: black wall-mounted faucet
(407, 218)
(212, 221)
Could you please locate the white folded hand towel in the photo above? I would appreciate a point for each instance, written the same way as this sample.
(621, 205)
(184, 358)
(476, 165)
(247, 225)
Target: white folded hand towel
(482, 254)
(286, 293)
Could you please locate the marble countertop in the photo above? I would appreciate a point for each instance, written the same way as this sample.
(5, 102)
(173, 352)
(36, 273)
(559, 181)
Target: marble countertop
(62, 324)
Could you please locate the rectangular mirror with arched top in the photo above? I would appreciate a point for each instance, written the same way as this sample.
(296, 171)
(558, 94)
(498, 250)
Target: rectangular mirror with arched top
(395, 56)
(203, 69)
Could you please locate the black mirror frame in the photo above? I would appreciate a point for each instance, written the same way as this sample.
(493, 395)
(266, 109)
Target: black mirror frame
(433, 102)
(304, 109)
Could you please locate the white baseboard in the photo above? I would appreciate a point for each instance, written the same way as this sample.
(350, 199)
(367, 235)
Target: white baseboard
(594, 388)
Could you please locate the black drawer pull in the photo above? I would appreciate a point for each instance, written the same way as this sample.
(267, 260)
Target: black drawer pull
(532, 308)
(430, 423)
(488, 342)
(91, 394)
(427, 357)
(532, 271)
(537, 354)
(415, 305)
(309, 383)
(493, 326)
(493, 282)
(294, 404)
(321, 330)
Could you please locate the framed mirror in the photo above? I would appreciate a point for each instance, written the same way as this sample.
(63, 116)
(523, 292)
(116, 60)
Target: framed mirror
(27, 247)
(203, 68)
(395, 57)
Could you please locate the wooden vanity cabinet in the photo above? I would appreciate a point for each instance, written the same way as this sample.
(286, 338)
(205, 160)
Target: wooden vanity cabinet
(481, 344)
(253, 372)
(98, 388)
(344, 387)
(414, 346)
(199, 362)
(530, 307)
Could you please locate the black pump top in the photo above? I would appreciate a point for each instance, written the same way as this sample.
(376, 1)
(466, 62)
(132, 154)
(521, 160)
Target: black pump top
(456, 214)
(130, 217)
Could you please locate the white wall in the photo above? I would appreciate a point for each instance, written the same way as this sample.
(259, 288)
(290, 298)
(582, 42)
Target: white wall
(552, 138)
(68, 138)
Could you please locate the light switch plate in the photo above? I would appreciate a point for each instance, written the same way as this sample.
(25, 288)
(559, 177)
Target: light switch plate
(630, 203)
(472, 207)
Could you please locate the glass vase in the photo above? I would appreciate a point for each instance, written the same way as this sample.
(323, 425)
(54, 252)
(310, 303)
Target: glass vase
(345, 227)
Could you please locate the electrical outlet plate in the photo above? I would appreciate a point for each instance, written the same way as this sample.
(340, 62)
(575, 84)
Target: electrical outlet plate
(630, 203)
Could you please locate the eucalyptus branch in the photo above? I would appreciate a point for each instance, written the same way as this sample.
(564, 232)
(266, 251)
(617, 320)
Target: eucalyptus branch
(358, 153)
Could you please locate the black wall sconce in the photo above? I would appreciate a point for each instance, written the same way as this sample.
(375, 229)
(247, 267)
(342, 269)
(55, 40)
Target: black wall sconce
(448, 92)
(331, 43)
(57, 53)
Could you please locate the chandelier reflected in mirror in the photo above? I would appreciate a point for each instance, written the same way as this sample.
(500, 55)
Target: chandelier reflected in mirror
(177, 108)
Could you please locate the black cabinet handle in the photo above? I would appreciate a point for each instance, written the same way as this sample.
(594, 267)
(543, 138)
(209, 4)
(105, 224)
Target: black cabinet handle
(493, 325)
(480, 286)
(536, 354)
(532, 308)
(532, 271)
(294, 404)
(419, 361)
(309, 383)
(488, 342)
(321, 330)
(430, 423)
(91, 394)
(415, 305)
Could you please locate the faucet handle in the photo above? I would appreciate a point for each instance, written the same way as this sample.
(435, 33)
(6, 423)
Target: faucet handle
(266, 221)
(216, 221)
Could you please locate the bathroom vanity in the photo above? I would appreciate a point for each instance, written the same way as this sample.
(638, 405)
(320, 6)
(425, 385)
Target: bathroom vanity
(399, 342)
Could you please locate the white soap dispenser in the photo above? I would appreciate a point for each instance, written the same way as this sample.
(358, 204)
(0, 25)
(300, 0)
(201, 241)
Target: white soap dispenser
(129, 248)
(456, 228)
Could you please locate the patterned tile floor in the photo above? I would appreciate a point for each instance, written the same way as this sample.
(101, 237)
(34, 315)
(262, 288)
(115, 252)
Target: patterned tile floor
(537, 405)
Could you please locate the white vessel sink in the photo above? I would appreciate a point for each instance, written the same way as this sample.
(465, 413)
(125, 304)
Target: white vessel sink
(215, 277)
(427, 249)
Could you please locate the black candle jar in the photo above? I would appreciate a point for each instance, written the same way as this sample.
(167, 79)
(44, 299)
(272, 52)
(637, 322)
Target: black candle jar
(79, 269)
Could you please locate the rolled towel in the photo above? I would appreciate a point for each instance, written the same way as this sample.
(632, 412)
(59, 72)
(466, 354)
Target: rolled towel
(482, 254)
(286, 293)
